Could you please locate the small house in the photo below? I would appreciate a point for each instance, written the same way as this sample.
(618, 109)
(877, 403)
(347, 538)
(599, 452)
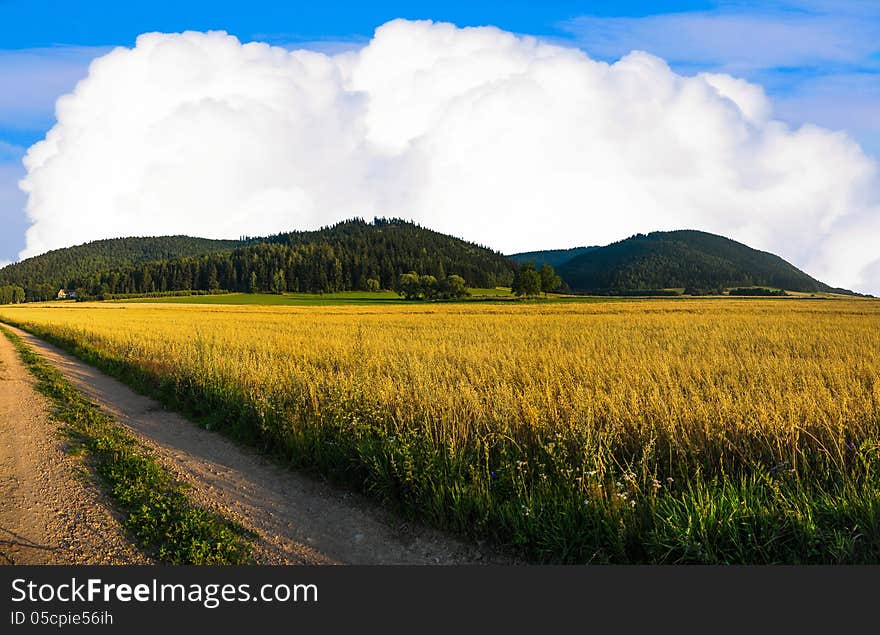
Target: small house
(66, 294)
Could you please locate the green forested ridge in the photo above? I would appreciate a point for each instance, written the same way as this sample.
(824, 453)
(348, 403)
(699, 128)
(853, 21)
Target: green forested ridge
(360, 255)
(553, 257)
(386, 248)
(685, 258)
(354, 254)
(42, 276)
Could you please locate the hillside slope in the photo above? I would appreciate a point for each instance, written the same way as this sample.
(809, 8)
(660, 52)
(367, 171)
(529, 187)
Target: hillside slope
(684, 258)
(553, 257)
(345, 256)
(43, 275)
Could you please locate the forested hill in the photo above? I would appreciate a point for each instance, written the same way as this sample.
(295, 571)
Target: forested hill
(553, 257)
(399, 246)
(42, 276)
(685, 258)
(354, 254)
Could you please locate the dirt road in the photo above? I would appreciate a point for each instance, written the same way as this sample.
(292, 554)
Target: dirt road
(50, 513)
(297, 520)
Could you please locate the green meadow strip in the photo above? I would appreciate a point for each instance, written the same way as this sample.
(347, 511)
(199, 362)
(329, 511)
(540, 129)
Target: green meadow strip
(157, 512)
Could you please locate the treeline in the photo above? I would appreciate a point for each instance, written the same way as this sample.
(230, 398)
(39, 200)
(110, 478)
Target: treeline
(681, 259)
(11, 294)
(530, 281)
(353, 255)
(760, 291)
(153, 294)
(42, 276)
(412, 286)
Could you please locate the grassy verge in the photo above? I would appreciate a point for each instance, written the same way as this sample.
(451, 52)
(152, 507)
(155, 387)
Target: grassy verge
(157, 512)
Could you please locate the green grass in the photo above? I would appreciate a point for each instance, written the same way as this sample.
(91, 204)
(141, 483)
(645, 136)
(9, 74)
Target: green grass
(487, 295)
(314, 299)
(496, 295)
(494, 292)
(287, 299)
(157, 511)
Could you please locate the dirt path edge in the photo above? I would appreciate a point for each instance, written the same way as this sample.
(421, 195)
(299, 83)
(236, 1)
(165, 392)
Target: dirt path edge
(296, 519)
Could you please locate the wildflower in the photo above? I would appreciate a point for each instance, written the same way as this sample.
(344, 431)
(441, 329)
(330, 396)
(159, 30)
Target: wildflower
(669, 480)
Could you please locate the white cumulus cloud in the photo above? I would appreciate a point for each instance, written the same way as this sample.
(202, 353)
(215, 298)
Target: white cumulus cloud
(497, 138)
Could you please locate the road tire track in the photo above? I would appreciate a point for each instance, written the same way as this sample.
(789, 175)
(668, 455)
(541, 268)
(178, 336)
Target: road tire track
(50, 511)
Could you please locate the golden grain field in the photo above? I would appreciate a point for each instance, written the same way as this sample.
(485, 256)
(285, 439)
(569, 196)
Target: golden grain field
(505, 420)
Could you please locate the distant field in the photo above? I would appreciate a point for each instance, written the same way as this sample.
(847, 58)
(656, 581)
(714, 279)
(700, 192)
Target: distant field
(497, 292)
(272, 299)
(664, 430)
(306, 299)
(390, 297)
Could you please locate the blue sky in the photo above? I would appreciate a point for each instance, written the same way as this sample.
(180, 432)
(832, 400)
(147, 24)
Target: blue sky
(818, 59)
